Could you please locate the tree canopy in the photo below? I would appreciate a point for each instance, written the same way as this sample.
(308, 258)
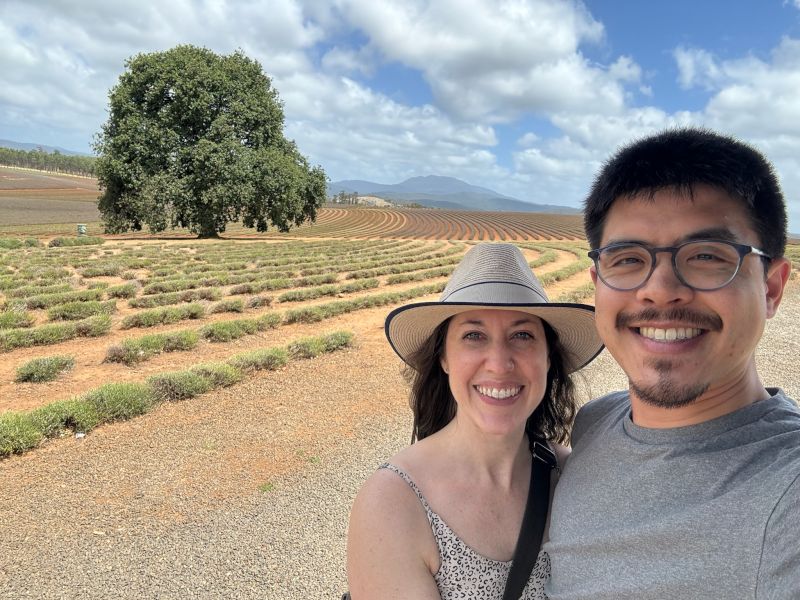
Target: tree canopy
(195, 139)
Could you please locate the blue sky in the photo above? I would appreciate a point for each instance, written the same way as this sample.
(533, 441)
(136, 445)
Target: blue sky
(527, 97)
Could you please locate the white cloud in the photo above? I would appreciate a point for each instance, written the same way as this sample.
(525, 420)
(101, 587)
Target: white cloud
(496, 59)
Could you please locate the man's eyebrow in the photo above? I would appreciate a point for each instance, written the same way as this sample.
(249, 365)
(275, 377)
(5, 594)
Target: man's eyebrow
(722, 234)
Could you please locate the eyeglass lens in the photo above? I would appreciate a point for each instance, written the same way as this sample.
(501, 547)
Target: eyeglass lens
(702, 265)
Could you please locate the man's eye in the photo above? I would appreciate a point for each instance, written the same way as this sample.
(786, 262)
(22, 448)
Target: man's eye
(624, 260)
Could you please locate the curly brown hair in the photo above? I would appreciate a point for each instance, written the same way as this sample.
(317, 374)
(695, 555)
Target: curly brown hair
(433, 405)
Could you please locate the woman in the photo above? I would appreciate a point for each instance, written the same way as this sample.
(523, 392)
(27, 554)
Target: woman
(490, 364)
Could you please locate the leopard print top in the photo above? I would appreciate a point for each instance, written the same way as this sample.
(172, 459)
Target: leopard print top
(465, 574)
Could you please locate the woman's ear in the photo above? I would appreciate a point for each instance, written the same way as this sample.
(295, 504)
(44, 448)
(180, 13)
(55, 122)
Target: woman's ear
(443, 363)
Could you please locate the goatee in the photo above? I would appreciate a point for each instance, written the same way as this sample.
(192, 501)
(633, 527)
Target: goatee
(667, 393)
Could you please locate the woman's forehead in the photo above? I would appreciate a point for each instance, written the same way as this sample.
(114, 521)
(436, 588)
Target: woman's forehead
(492, 316)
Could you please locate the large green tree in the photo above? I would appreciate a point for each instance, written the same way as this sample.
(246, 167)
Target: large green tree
(195, 139)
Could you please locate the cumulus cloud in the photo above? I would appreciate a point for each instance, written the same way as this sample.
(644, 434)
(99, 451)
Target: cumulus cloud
(496, 59)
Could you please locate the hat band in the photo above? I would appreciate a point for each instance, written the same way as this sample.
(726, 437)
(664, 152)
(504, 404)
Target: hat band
(496, 292)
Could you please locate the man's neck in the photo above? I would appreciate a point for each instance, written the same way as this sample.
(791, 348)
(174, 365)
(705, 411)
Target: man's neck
(711, 404)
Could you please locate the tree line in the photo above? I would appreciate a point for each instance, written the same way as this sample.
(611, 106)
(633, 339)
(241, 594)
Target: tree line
(48, 161)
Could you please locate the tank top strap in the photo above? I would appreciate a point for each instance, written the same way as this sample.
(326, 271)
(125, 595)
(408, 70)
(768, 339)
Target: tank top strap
(398, 471)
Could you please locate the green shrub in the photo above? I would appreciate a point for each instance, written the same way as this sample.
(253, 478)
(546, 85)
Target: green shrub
(126, 290)
(260, 360)
(48, 300)
(229, 305)
(306, 348)
(309, 314)
(259, 301)
(120, 401)
(268, 321)
(37, 290)
(579, 294)
(225, 331)
(315, 280)
(17, 433)
(44, 369)
(163, 316)
(180, 385)
(170, 285)
(337, 339)
(76, 414)
(132, 351)
(74, 311)
(565, 272)
(419, 275)
(75, 241)
(15, 319)
(107, 270)
(10, 243)
(53, 333)
(93, 326)
(314, 346)
(546, 256)
(219, 374)
(167, 298)
(180, 340)
(36, 336)
(13, 244)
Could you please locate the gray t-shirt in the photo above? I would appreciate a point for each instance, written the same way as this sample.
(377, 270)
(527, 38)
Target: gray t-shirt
(706, 511)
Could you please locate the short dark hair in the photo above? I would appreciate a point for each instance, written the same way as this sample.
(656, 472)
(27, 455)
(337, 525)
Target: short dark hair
(680, 159)
(434, 407)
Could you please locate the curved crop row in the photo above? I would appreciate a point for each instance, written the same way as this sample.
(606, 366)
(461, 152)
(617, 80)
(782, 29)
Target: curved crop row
(433, 224)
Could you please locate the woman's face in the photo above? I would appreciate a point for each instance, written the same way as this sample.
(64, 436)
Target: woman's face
(497, 365)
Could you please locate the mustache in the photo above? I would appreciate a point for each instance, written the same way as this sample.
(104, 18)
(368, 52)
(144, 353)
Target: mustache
(684, 315)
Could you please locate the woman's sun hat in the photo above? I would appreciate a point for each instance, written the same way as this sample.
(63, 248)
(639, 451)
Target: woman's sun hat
(495, 276)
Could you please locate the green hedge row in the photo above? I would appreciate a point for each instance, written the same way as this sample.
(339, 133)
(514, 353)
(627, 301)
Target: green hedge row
(23, 431)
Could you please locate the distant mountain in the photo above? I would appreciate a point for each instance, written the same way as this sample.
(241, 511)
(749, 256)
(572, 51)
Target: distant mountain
(436, 191)
(27, 146)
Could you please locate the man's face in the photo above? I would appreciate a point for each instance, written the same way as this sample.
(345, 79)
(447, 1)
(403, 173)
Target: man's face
(676, 344)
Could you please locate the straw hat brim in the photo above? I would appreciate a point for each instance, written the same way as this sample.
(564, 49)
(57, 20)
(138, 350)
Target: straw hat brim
(408, 327)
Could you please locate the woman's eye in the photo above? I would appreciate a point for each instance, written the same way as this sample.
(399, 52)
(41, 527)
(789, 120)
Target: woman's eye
(523, 335)
(472, 335)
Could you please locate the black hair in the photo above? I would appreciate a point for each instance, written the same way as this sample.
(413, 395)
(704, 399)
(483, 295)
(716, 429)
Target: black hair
(679, 159)
(434, 407)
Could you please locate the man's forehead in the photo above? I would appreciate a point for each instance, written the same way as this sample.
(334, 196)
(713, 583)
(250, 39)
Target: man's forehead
(671, 216)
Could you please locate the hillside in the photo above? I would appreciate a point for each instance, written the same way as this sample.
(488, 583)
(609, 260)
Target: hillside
(435, 191)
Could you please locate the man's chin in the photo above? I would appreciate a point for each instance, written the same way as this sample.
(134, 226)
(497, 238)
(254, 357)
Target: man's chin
(667, 393)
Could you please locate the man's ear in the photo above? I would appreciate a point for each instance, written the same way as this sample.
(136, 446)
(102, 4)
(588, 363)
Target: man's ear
(593, 274)
(777, 276)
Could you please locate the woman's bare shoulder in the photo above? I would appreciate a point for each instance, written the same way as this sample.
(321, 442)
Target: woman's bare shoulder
(391, 552)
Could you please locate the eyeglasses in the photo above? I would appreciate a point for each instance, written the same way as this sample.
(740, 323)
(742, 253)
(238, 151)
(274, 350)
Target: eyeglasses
(702, 265)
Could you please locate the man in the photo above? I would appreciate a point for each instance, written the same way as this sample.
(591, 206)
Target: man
(688, 484)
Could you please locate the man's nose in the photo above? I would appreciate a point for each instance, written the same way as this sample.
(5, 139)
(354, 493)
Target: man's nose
(663, 286)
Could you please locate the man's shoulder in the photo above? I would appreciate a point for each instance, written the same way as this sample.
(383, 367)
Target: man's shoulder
(610, 403)
(601, 412)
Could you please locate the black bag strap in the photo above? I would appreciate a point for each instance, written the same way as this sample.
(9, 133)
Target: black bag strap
(532, 530)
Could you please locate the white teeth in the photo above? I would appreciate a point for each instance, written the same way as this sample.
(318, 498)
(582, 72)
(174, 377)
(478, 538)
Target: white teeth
(499, 393)
(661, 335)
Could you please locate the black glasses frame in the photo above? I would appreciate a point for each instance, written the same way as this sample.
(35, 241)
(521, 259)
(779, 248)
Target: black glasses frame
(742, 249)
